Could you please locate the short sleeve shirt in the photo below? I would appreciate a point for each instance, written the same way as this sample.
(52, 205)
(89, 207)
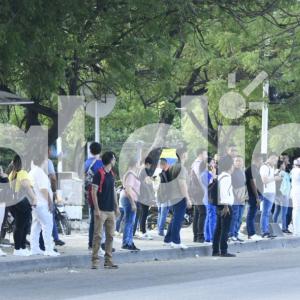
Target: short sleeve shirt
(106, 198)
(267, 171)
(21, 175)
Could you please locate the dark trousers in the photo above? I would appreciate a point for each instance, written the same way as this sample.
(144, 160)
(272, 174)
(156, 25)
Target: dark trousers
(173, 233)
(143, 217)
(199, 222)
(137, 216)
(252, 211)
(221, 232)
(22, 216)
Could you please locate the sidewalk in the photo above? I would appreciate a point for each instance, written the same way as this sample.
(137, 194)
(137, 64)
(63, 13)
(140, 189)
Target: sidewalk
(76, 255)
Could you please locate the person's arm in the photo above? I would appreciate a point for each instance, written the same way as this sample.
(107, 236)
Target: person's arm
(47, 197)
(117, 210)
(95, 200)
(130, 192)
(25, 183)
(184, 191)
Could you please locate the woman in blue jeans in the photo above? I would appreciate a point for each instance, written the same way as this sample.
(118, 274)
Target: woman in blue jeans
(129, 197)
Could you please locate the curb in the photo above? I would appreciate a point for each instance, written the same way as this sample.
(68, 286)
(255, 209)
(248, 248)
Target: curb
(29, 264)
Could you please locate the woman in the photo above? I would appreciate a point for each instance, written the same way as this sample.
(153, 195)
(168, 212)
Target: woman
(295, 195)
(21, 183)
(42, 218)
(129, 197)
(283, 196)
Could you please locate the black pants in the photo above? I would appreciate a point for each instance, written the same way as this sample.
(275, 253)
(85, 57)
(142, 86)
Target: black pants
(221, 232)
(22, 215)
(141, 217)
(199, 222)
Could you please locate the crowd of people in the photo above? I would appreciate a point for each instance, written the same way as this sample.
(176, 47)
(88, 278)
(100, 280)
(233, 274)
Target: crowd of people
(270, 185)
(31, 198)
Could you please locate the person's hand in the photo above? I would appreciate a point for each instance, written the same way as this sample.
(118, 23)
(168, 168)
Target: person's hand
(97, 213)
(277, 178)
(148, 180)
(133, 207)
(117, 213)
(225, 211)
(189, 203)
(258, 203)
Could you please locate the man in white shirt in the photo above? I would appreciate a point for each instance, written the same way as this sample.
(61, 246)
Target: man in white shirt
(224, 209)
(268, 178)
(42, 218)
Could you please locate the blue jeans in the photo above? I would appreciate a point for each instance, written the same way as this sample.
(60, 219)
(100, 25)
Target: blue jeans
(119, 220)
(210, 222)
(129, 217)
(236, 219)
(252, 210)
(173, 233)
(267, 201)
(283, 208)
(161, 219)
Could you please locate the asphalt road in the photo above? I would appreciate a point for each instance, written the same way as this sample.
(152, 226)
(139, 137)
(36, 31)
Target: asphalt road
(260, 275)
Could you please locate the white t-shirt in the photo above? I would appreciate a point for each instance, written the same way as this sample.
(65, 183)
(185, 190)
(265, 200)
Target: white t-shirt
(268, 171)
(41, 181)
(295, 192)
(226, 192)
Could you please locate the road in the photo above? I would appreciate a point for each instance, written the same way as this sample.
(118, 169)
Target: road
(262, 275)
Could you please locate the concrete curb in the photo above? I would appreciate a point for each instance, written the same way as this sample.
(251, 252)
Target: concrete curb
(29, 264)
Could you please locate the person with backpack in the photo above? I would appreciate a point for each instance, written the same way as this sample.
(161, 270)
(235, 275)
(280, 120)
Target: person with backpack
(22, 185)
(225, 199)
(240, 196)
(163, 205)
(106, 210)
(268, 177)
(91, 166)
(180, 198)
(128, 198)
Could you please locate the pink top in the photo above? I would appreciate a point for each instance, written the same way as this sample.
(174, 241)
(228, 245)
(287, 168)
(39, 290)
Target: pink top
(133, 181)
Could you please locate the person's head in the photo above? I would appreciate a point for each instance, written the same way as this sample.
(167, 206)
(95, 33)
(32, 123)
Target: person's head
(182, 153)
(202, 154)
(95, 148)
(109, 159)
(281, 165)
(226, 164)
(258, 159)
(39, 159)
(164, 164)
(286, 159)
(17, 163)
(216, 157)
(211, 162)
(232, 150)
(238, 162)
(272, 159)
(148, 162)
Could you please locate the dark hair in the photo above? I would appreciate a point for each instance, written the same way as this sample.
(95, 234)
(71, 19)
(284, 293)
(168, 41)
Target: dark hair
(163, 160)
(225, 163)
(16, 166)
(107, 157)
(148, 160)
(95, 148)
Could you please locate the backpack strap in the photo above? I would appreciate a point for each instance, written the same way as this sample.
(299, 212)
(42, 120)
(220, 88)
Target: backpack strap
(102, 179)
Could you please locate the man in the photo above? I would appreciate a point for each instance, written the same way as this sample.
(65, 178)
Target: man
(240, 196)
(231, 151)
(199, 206)
(163, 206)
(254, 185)
(106, 209)
(224, 209)
(179, 195)
(269, 192)
(92, 165)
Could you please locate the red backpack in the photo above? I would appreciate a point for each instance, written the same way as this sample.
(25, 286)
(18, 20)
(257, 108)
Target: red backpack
(102, 179)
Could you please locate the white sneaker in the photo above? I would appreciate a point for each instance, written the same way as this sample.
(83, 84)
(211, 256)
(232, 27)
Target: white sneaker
(255, 237)
(146, 236)
(21, 252)
(2, 253)
(167, 244)
(51, 253)
(242, 236)
(234, 239)
(37, 252)
(178, 246)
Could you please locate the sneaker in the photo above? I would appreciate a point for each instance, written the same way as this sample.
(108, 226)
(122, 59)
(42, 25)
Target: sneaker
(95, 265)
(21, 252)
(287, 231)
(268, 236)
(199, 240)
(103, 248)
(216, 254)
(255, 237)
(146, 236)
(51, 253)
(101, 253)
(59, 243)
(234, 239)
(25, 252)
(161, 234)
(179, 246)
(125, 247)
(133, 247)
(227, 255)
(110, 266)
(239, 240)
(37, 252)
(167, 244)
(2, 253)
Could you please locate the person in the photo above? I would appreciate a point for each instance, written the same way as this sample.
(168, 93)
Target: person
(128, 198)
(267, 173)
(199, 217)
(42, 218)
(224, 209)
(207, 178)
(295, 195)
(163, 205)
(22, 184)
(119, 219)
(282, 197)
(146, 198)
(92, 164)
(106, 210)
(231, 150)
(3, 179)
(254, 188)
(180, 199)
(240, 196)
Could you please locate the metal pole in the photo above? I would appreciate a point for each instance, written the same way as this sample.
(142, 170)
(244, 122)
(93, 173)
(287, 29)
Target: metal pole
(97, 123)
(265, 120)
(59, 152)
